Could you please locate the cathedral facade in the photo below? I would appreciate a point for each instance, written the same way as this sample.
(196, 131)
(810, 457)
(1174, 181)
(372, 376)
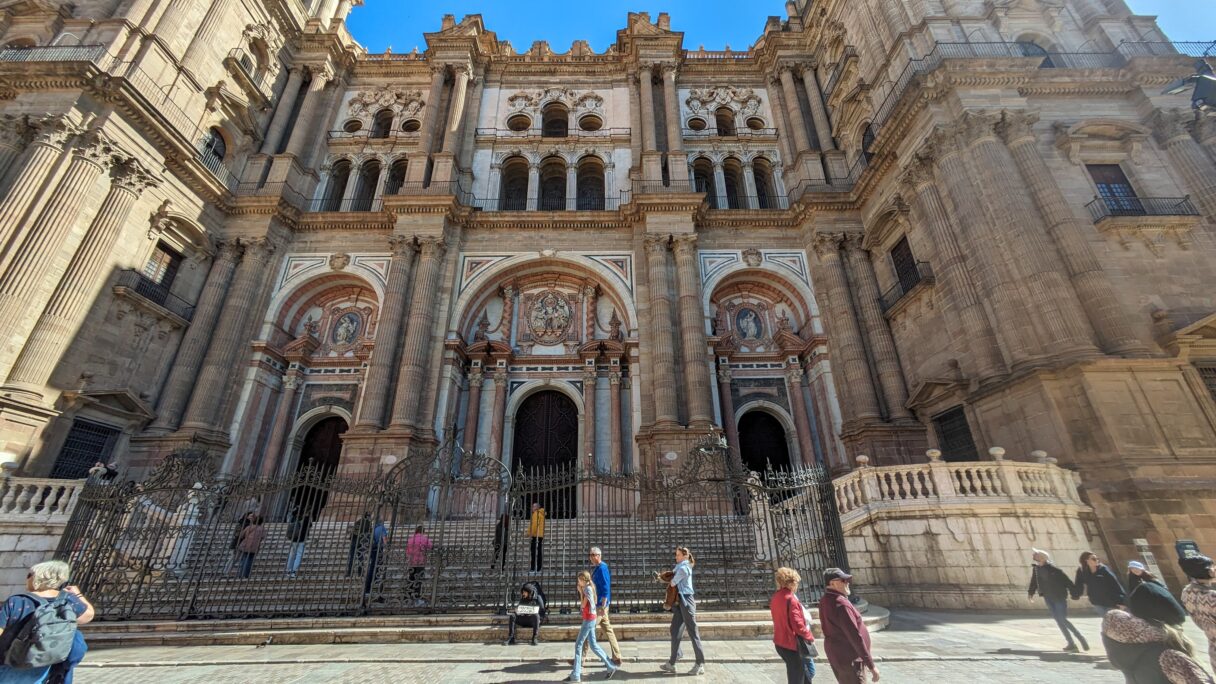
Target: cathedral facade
(883, 228)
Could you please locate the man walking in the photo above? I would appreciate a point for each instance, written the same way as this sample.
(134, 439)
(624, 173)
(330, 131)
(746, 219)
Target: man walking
(360, 533)
(602, 579)
(536, 534)
(297, 534)
(845, 637)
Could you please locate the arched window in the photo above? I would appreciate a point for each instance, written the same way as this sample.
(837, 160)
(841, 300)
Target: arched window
(513, 186)
(214, 146)
(867, 143)
(703, 179)
(732, 173)
(590, 184)
(1030, 45)
(556, 122)
(339, 174)
(552, 184)
(365, 188)
(396, 177)
(725, 118)
(382, 124)
(766, 194)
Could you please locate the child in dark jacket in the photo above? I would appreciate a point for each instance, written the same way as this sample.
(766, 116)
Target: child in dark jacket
(1099, 581)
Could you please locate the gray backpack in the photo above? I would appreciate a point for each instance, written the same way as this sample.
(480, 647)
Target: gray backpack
(45, 636)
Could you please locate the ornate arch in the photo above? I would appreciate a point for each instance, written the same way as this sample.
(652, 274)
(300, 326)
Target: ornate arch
(783, 416)
(299, 430)
(517, 399)
(760, 273)
(288, 306)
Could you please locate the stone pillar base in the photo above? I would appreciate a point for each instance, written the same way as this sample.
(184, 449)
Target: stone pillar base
(22, 422)
(885, 443)
(443, 168)
(146, 452)
(652, 167)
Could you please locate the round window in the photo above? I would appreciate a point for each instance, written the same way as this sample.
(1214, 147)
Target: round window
(696, 124)
(591, 122)
(411, 125)
(519, 123)
(352, 126)
(755, 123)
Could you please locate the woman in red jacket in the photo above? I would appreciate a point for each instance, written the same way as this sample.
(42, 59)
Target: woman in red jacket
(790, 624)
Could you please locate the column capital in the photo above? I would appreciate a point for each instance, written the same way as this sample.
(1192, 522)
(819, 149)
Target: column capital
(476, 376)
(53, 131)
(258, 248)
(1170, 124)
(15, 130)
(793, 373)
(656, 244)
(724, 376)
(130, 175)
(508, 290)
(918, 173)
(401, 245)
(942, 142)
(590, 373)
(462, 69)
(96, 149)
(614, 377)
(438, 70)
(432, 246)
(786, 67)
(323, 71)
(291, 380)
(684, 244)
(229, 250)
(852, 244)
(669, 70)
(1017, 126)
(500, 378)
(827, 244)
(975, 127)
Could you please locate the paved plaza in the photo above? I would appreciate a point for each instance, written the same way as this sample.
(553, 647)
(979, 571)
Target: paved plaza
(919, 647)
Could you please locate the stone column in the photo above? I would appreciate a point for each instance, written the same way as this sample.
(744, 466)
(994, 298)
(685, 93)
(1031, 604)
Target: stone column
(1196, 168)
(65, 310)
(14, 138)
(1110, 322)
(847, 345)
(720, 185)
(589, 379)
(451, 135)
(472, 415)
(649, 143)
(752, 201)
(302, 135)
(51, 136)
(794, 110)
(614, 421)
(418, 330)
(894, 18)
(287, 102)
(430, 116)
(777, 102)
(344, 7)
(692, 333)
(204, 37)
(1062, 326)
(675, 134)
(230, 338)
(377, 388)
(173, 22)
(282, 423)
(33, 255)
(951, 268)
(635, 123)
(664, 380)
(500, 413)
(472, 114)
(802, 424)
(877, 331)
(197, 338)
(1205, 133)
(571, 187)
(819, 113)
(533, 198)
(726, 403)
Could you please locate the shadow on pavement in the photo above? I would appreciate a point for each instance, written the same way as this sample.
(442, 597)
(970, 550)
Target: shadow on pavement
(1098, 661)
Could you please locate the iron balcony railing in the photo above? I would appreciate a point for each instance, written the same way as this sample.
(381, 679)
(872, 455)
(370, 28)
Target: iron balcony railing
(1102, 208)
(55, 53)
(356, 204)
(644, 187)
(154, 292)
(750, 202)
(366, 134)
(519, 203)
(713, 132)
(906, 283)
(1167, 49)
(576, 133)
(284, 191)
(849, 53)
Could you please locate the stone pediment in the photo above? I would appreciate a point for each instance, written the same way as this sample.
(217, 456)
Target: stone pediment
(1187, 341)
(121, 403)
(932, 392)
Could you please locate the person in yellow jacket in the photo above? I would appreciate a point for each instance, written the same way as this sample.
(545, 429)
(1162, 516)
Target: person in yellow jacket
(536, 532)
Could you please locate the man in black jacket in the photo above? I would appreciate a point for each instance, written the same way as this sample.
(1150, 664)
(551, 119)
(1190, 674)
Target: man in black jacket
(527, 613)
(1054, 586)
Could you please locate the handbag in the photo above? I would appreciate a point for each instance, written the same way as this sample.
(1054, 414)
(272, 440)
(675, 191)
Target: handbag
(807, 650)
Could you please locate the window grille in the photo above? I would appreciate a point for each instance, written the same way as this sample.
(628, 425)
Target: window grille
(905, 265)
(87, 443)
(954, 435)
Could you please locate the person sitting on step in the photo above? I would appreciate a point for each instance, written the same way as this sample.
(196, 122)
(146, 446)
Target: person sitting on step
(527, 613)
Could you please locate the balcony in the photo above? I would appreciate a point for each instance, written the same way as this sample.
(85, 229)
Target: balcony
(133, 282)
(1104, 208)
(907, 284)
(744, 132)
(751, 202)
(849, 54)
(356, 204)
(573, 133)
(56, 53)
(244, 68)
(550, 203)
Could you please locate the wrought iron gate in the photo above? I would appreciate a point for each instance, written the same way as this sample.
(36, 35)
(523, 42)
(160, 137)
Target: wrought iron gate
(167, 548)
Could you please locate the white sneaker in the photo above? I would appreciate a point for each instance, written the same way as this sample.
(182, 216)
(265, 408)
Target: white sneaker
(697, 670)
(667, 667)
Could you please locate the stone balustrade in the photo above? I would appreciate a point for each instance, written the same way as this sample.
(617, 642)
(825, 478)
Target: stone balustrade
(33, 515)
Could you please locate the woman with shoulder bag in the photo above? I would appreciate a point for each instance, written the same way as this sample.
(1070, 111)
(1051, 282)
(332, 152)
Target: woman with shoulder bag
(792, 634)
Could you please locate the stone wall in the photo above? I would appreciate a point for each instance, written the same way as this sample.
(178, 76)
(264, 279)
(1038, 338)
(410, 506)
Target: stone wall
(33, 516)
(959, 535)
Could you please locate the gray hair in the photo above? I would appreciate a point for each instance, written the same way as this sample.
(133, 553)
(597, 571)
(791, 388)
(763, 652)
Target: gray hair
(595, 551)
(49, 575)
(1040, 552)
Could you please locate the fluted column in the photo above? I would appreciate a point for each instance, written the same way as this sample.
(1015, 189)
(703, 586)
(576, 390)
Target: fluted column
(51, 136)
(664, 380)
(418, 330)
(571, 187)
(204, 37)
(326, 11)
(174, 22)
(877, 331)
(31, 261)
(230, 338)
(533, 199)
(614, 421)
(1062, 326)
(722, 200)
(894, 17)
(14, 138)
(1197, 169)
(451, 135)
(1095, 290)
(847, 345)
(649, 141)
(472, 414)
(781, 120)
(1205, 133)
(302, 135)
(752, 200)
(802, 423)
(819, 113)
(635, 122)
(67, 306)
(589, 379)
(951, 268)
(287, 102)
(430, 117)
(472, 114)
(377, 388)
(343, 11)
(500, 413)
(282, 423)
(197, 338)
(692, 333)
(726, 403)
(794, 110)
(675, 134)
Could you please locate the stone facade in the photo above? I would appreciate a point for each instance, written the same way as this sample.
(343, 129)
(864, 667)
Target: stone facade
(872, 232)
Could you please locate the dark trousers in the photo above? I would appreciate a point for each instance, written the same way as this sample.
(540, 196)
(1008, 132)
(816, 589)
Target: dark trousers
(371, 569)
(538, 554)
(1059, 612)
(350, 558)
(846, 671)
(684, 616)
(246, 564)
(415, 581)
(795, 673)
(532, 621)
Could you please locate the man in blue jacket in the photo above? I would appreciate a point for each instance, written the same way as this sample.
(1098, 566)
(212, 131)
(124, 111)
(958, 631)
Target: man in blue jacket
(603, 592)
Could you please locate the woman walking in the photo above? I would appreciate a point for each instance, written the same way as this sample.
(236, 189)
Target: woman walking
(234, 555)
(586, 633)
(251, 542)
(1054, 586)
(791, 627)
(1099, 581)
(1137, 574)
(45, 583)
(684, 613)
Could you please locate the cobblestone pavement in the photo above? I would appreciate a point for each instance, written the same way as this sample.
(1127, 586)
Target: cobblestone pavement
(919, 647)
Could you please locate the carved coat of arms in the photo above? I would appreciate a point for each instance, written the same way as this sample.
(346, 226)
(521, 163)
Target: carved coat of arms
(549, 317)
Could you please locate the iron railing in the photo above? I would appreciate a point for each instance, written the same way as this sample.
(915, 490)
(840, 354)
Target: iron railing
(749, 202)
(55, 53)
(356, 204)
(282, 190)
(1167, 49)
(849, 53)
(646, 187)
(1107, 207)
(742, 132)
(138, 283)
(507, 133)
(924, 274)
(520, 203)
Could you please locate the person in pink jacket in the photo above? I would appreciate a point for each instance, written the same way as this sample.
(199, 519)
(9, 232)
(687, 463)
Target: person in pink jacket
(415, 552)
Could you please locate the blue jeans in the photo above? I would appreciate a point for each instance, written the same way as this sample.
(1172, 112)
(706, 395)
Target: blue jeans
(246, 564)
(587, 633)
(1059, 611)
(294, 557)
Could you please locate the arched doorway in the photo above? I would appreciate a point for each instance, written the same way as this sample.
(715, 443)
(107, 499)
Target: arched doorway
(762, 442)
(546, 440)
(321, 450)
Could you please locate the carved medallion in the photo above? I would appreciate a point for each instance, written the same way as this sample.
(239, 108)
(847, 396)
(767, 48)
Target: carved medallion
(549, 317)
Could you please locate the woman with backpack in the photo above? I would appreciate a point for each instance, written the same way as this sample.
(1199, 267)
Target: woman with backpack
(250, 544)
(38, 627)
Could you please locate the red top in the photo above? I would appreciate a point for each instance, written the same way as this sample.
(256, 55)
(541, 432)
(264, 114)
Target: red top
(788, 620)
(845, 637)
(588, 602)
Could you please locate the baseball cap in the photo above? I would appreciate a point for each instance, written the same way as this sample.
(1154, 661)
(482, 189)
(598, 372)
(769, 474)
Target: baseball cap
(1135, 565)
(836, 574)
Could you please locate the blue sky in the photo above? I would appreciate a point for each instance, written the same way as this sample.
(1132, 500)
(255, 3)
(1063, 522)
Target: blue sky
(712, 23)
